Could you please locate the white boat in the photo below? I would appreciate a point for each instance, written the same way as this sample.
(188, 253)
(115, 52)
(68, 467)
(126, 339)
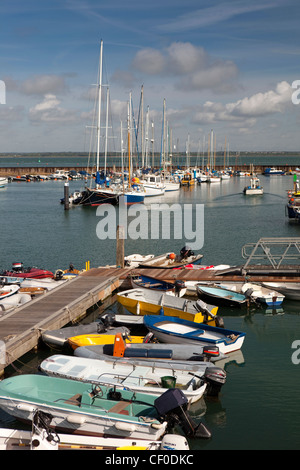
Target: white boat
(146, 379)
(152, 185)
(88, 409)
(254, 187)
(171, 260)
(3, 181)
(8, 291)
(15, 300)
(263, 295)
(172, 183)
(175, 330)
(43, 438)
(291, 290)
(133, 261)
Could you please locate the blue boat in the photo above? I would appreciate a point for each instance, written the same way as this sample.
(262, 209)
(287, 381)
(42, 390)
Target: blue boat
(175, 330)
(149, 282)
(273, 171)
(220, 296)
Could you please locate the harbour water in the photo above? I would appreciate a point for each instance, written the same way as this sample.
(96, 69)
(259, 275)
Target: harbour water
(259, 406)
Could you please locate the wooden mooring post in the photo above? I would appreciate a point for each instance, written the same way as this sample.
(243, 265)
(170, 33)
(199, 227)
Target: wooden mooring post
(66, 196)
(120, 246)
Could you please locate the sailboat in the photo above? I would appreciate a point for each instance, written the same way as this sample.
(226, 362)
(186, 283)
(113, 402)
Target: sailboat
(98, 195)
(133, 194)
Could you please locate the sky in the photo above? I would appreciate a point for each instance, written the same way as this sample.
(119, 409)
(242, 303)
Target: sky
(226, 66)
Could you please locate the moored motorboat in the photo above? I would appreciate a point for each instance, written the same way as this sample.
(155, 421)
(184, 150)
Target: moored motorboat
(27, 273)
(273, 171)
(144, 378)
(291, 290)
(58, 339)
(42, 437)
(150, 302)
(263, 295)
(100, 338)
(148, 282)
(171, 260)
(172, 355)
(176, 330)
(86, 409)
(221, 296)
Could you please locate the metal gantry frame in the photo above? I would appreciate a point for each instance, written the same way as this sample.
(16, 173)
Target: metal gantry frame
(262, 251)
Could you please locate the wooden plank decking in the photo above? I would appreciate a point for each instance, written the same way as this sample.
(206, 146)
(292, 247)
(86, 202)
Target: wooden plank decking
(20, 330)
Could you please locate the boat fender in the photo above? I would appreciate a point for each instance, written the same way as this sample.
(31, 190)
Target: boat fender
(76, 419)
(138, 308)
(26, 407)
(161, 312)
(123, 426)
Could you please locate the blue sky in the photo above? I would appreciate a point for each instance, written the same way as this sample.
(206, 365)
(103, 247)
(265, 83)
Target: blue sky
(221, 65)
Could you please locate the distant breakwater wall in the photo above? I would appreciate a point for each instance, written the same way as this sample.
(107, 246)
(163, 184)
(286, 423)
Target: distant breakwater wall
(19, 171)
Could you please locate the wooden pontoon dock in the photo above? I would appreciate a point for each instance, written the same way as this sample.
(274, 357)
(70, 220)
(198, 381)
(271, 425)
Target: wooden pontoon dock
(20, 330)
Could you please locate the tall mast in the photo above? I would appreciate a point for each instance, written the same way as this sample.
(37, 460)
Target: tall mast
(99, 105)
(128, 137)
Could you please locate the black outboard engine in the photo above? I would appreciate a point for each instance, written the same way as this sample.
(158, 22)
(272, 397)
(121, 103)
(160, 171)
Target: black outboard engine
(172, 407)
(178, 286)
(215, 378)
(185, 252)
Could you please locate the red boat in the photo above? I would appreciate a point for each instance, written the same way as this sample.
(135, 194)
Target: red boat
(27, 273)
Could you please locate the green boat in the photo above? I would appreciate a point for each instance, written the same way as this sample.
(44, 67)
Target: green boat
(87, 409)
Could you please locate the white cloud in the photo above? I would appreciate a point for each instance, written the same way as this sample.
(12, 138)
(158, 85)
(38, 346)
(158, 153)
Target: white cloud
(191, 65)
(245, 112)
(49, 110)
(261, 104)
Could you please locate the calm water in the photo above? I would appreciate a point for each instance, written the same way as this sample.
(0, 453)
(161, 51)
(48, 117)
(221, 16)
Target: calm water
(259, 406)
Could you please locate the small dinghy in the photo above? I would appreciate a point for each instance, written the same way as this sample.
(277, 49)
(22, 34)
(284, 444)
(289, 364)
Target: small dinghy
(263, 295)
(176, 330)
(8, 291)
(187, 356)
(88, 409)
(149, 380)
(171, 260)
(101, 338)
(291, 290)
(42, 437)
(148, 282)
(221, 296)
(150, 302)
(58, 339)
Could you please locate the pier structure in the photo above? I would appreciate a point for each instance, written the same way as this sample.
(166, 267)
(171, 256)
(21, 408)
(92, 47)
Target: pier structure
(21, 329)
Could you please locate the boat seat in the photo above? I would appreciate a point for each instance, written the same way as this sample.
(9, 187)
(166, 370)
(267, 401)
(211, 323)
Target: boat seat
(74, 400)
(195, 333)
(120, 408)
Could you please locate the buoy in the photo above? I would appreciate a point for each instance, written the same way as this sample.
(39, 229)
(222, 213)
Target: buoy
(172, 256)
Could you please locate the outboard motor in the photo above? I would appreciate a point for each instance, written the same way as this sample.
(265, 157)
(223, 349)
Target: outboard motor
(210, 353)
(42, 436)
(185, 252)
(178, 286)
(172, 407)
(215, 378)
(174, 442)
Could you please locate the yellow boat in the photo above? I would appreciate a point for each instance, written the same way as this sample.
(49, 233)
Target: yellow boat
(96, 339)
(149, 302)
